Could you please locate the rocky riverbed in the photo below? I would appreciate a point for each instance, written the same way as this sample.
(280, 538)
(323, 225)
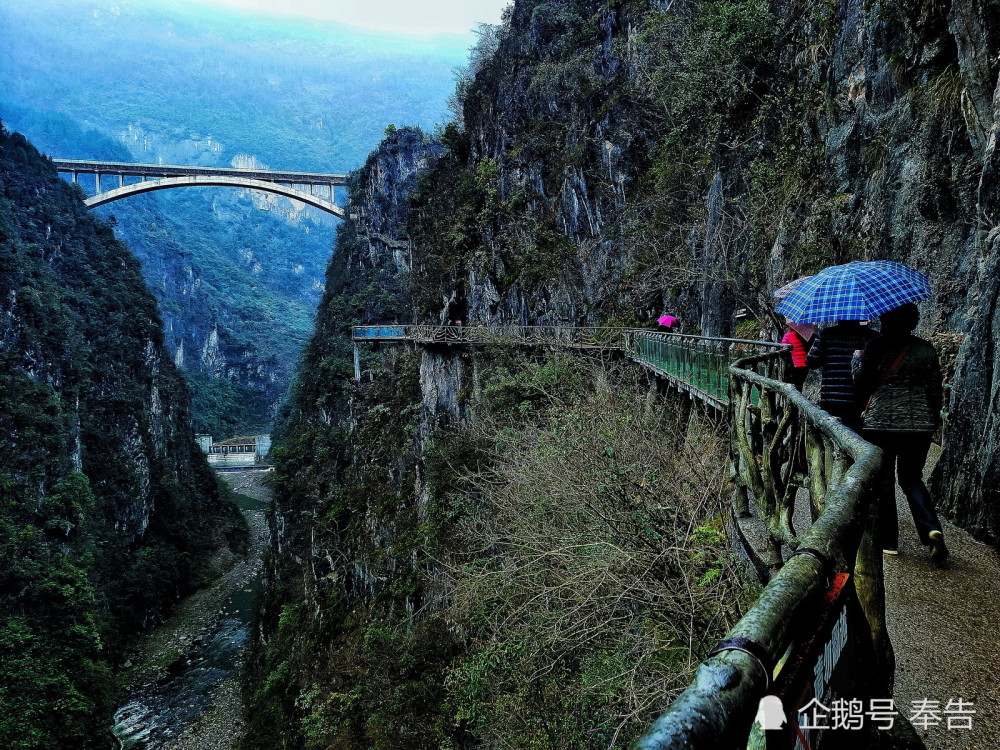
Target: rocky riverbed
(183, 684)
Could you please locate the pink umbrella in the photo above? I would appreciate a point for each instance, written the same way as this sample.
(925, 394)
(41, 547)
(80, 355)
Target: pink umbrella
(667, 321)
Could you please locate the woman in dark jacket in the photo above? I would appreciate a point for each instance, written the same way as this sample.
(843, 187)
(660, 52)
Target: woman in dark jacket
(832, 351)
(900, 377)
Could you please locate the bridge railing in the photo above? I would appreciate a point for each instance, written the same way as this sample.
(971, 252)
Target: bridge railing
(782, 442)
(698, 364)
(578, 337)
(379, 333)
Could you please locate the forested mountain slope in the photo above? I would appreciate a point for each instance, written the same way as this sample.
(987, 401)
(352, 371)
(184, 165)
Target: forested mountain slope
(108, 510)
(192, 84)
(613, 161)
(409, 540)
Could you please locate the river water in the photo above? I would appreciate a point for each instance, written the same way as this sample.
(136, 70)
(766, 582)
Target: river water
(156, 714)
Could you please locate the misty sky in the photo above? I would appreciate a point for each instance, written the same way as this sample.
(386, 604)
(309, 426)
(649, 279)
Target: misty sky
(429, 16)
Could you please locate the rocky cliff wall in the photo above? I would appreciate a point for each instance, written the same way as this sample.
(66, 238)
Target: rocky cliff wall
(109, 509)
(614, 161)
(628, 159)
(236, 288)
(371, 635)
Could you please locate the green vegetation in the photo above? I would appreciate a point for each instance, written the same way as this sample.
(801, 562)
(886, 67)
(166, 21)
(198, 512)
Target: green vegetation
(432, 549)
(547, 590)
(587, 562)
(107, 511)
(546, 574)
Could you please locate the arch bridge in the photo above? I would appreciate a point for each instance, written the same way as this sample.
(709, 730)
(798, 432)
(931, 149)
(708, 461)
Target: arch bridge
(145, 178)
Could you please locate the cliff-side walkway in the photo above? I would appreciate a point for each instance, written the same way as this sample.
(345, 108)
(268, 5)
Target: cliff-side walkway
(784, 446)
(942, 623)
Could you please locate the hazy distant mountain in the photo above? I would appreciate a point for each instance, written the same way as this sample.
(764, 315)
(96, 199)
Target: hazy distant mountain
(201, 84)
(184, 83)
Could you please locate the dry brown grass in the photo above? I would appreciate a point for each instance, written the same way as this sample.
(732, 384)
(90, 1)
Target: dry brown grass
(593, 573)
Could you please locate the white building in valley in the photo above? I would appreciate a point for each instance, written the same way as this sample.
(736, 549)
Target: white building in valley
(245, 450)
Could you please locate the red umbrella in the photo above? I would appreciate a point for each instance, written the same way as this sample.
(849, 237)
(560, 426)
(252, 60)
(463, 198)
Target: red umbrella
(805, 330)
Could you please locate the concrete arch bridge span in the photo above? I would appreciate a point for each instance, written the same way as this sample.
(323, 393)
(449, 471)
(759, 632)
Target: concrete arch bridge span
(298, 186)
(197, 181)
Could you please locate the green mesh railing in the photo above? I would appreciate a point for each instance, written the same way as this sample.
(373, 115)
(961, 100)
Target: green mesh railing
(698, 364)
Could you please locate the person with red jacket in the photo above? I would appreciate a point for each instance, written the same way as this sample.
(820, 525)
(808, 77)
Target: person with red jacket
(800, 350)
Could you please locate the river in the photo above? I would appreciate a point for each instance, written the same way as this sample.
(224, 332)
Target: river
(184, 687)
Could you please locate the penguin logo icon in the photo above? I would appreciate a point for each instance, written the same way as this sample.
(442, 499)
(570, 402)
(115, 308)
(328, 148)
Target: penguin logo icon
(770, 713)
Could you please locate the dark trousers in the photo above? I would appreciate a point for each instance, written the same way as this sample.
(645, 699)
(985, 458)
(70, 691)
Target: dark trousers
(904, 454)
(798, 378)
(849, 414)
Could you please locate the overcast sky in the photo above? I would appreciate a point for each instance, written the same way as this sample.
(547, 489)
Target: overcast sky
(413, 16)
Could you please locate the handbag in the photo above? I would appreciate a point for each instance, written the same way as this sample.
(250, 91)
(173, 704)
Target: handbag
(885, 376)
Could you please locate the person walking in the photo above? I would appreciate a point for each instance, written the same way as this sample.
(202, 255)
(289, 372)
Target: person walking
(800, 353)
(832, 352)
(668, 324)
(900, 376)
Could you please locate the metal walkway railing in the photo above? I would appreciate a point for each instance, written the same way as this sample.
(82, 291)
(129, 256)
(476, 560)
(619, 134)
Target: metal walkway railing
(818, 629)
(696, 364)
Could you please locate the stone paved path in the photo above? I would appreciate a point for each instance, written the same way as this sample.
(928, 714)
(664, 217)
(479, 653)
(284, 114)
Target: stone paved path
(945, 627)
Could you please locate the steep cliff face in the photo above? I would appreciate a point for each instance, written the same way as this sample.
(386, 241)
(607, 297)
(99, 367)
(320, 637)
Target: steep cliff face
(614, 161)
(387, 621)
(968, 474)
(109, 509)
(621, 160)
(236, 288)
(343, 525)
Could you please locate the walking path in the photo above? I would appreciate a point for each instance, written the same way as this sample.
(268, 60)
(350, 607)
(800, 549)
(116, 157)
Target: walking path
(943, 625)
(943, 622)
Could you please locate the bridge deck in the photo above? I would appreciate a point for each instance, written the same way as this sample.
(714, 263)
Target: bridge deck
(134, 169)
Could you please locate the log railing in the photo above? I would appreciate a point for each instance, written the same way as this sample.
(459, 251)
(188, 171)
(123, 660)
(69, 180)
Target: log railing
(783, 449)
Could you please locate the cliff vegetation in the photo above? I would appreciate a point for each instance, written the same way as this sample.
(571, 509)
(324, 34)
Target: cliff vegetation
(108, 510)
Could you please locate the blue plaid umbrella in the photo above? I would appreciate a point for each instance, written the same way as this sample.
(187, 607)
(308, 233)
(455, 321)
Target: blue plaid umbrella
(780, 294)
(854, 291)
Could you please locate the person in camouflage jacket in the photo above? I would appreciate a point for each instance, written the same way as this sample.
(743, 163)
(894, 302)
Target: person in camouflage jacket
(899, 376)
